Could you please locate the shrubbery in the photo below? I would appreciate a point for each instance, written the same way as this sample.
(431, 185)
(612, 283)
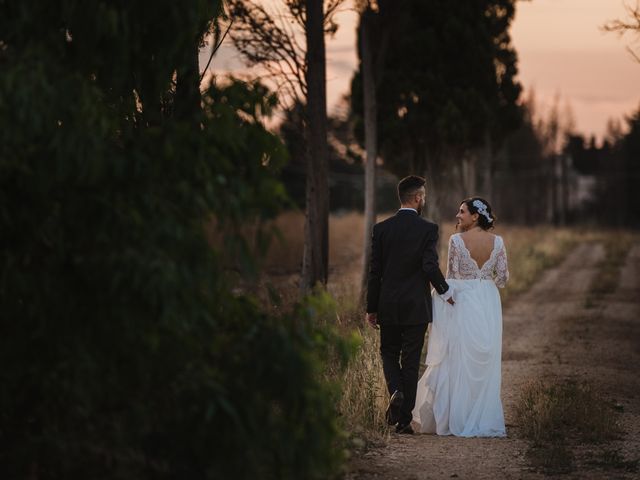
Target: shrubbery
(123, 352)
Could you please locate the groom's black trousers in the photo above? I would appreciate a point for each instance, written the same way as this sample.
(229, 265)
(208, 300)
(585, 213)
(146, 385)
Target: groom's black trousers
(400, 347)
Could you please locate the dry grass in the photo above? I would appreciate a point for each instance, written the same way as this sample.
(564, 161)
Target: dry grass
(617, 245)
(555, 415)
(364, 394)
(553, 411)
(530, 249)
(346, 236)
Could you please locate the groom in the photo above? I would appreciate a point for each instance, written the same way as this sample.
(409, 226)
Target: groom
(404, 261)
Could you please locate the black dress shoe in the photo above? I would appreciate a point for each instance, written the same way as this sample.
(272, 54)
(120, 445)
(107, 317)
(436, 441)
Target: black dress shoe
(404, 429)
(393, 410)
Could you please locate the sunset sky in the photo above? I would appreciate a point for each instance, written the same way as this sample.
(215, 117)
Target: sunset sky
(562, 51)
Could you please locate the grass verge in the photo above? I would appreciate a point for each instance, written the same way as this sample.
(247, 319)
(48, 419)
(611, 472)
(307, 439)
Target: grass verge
(531, 251)
(555, 415)
(617, 245)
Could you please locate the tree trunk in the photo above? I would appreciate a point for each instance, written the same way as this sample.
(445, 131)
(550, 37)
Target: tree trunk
(187, 99)
(486, 166)
(370, 140)
(553, 194)
(469, 174)
(566, 194)
(315, 264)
(558, 208)
(435, 188)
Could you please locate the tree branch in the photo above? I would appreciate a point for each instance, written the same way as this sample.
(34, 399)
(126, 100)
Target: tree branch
(215, 49)
(269, 38)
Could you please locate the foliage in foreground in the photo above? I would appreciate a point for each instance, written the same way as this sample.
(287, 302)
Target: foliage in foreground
(123, 353)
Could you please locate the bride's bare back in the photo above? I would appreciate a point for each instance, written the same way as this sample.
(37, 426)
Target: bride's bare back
(480, 245)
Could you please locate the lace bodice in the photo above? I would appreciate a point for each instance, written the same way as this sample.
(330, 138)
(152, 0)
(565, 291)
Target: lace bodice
(461, 266)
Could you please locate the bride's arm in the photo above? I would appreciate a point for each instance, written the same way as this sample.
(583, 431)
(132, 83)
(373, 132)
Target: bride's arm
(502, 267)
(452, 260)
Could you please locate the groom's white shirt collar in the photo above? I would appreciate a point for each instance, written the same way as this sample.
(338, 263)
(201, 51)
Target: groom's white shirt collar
(408, 208)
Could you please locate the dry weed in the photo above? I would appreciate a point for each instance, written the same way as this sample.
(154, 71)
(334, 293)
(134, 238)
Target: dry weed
(556, 415)
(364, 393)
(556, 411)
(617, 245)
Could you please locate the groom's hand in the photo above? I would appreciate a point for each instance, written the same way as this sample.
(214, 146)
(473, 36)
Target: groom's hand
(448, 296)
(372, 319)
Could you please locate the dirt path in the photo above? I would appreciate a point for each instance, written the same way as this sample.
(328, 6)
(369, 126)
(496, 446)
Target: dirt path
(549, 331)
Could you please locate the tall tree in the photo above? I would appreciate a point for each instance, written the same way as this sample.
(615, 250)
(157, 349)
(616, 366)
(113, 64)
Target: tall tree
(371, 137)
(365, 36)
(631, 174)
(315, 263)
(448, 88)
(372, 43)
(269, 40)
(522, 172)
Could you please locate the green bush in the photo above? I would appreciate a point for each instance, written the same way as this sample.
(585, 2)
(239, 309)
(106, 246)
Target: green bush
(123, 352)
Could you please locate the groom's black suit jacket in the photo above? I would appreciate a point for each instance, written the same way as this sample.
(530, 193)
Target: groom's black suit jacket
(404, 261)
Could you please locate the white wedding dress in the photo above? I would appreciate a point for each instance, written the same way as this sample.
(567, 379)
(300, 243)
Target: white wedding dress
(459, 394)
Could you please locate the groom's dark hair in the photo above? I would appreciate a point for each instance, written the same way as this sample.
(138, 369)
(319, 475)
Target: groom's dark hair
(408, 186)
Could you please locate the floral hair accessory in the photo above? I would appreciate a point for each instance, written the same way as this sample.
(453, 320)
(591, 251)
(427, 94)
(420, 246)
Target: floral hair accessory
(482, 210)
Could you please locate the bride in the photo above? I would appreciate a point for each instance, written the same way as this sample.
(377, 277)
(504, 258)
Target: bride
(459, 394)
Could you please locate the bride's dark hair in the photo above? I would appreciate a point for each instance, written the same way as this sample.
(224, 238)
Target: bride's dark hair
(486, 218)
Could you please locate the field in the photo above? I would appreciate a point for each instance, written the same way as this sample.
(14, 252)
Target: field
(553, 293)
(530, 251)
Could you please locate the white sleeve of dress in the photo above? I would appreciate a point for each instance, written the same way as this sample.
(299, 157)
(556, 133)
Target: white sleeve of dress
(502, 267)
(452, 259)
